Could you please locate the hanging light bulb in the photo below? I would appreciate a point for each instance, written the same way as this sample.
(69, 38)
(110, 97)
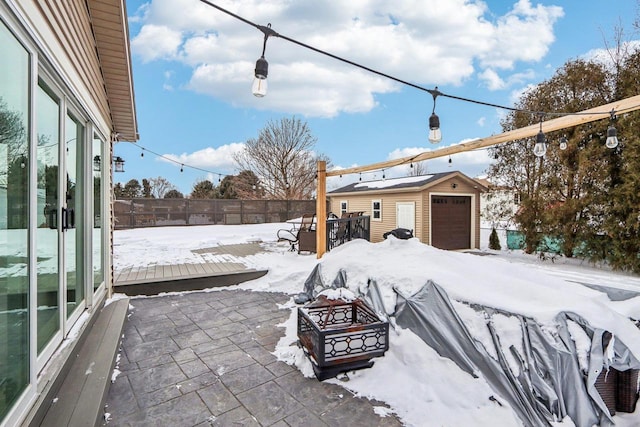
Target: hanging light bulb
(360, 179)
(383, 175)
(181, 168)
(142, 153)
(540, 149)
(219, 178)
(612, 133)
(612, 138)
(411, 165)
(450, 161)
(563, 143)
(259, 88)
(435, 134)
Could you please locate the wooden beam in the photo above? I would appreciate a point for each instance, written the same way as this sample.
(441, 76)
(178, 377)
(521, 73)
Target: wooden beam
(564, 122)
(321, 209)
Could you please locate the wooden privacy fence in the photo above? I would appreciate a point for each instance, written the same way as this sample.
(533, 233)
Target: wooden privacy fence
(136, 213)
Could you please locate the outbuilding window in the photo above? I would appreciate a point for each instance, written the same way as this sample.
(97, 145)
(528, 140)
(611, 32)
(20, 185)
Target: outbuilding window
(344, 207)
(376, 210)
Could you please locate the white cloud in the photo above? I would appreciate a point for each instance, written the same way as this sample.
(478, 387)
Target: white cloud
(481, 121)
(155, 42)
(404, 39)
(607, 57)
(491, 79)
(218, 159)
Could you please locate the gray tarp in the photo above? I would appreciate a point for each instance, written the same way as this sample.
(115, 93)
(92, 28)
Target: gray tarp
(550, 384)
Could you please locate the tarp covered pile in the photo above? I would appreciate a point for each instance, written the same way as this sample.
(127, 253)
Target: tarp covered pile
(542, 378)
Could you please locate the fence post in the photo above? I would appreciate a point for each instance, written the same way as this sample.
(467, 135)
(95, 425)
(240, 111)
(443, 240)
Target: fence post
(132, 215)
(186, 210)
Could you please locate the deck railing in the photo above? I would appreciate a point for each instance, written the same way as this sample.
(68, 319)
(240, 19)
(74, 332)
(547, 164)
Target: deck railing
(343, 230)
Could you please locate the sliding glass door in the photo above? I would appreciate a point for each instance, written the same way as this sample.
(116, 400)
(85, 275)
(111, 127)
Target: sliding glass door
(14, 224)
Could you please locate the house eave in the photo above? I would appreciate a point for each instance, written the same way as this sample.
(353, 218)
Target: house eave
(111, 33)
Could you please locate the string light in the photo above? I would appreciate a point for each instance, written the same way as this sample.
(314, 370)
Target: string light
(435, 134)
(142, 153)
(563, 142)
(540, 149)
(612, 138)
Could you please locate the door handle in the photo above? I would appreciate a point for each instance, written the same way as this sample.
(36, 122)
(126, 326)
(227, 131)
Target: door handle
(68, 218)
(64, 219)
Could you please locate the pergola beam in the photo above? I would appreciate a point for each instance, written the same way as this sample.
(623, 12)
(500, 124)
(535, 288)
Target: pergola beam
(564, 122)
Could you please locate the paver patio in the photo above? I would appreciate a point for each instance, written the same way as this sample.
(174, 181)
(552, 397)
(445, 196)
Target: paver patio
(204, 359)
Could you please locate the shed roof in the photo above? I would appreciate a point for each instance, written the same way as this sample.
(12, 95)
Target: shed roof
(407, 183)
(111, 32)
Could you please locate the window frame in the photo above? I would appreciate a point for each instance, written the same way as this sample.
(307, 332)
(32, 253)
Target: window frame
(374, 210)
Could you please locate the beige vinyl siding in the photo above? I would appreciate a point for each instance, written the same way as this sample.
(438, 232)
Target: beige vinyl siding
(70, 21)
(362, 202)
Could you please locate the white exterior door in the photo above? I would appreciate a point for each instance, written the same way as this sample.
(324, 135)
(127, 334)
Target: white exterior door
(406, 215)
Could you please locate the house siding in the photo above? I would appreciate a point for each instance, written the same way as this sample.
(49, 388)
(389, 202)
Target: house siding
(70, 22)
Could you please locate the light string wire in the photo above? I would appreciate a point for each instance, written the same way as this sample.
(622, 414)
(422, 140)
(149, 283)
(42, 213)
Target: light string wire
(269, 32)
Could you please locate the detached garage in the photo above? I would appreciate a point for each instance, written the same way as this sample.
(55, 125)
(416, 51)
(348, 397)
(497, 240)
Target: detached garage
(442, 209)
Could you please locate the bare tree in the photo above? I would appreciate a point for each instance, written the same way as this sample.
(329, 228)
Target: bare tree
(282, 158)
(418, 168)
(160, 186)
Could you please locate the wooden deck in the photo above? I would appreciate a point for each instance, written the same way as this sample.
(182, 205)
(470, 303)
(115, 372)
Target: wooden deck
(221, 266)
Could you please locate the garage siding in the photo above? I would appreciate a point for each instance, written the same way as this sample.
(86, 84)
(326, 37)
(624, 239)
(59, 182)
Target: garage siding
(362, 202)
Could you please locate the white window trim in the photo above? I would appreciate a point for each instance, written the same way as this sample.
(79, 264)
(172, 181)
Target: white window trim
(346, 206)
(373, 217)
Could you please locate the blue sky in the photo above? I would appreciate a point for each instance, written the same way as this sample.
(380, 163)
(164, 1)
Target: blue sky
(193, 69)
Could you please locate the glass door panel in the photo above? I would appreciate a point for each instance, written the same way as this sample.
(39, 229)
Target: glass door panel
(47, 235)
(72, 215)
(98, 249)
(14, 215)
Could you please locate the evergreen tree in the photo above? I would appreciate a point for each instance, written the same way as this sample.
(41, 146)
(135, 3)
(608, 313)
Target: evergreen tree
(620, 241)
(173, 194)
(132, 189)
(146, 189)
(494, 241)
(226, 188)
(204, 189)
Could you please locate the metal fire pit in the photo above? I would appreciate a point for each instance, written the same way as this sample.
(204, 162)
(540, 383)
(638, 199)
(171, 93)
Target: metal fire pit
(340, 336)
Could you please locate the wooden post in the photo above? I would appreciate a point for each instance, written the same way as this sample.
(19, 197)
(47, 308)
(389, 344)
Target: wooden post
(321, 209)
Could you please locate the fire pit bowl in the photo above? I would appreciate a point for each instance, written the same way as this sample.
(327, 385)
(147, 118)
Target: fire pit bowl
(339, 335)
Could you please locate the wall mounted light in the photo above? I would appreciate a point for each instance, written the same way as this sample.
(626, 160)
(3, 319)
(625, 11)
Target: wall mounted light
(96, 164)
(259, 88)
(540, 149)
(612, 133)
(118, 164)
(435, 134)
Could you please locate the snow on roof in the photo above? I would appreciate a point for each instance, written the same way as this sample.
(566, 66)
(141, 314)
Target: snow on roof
(386, 183)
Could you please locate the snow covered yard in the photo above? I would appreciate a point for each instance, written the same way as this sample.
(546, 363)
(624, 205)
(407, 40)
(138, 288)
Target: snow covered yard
(412, 377)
